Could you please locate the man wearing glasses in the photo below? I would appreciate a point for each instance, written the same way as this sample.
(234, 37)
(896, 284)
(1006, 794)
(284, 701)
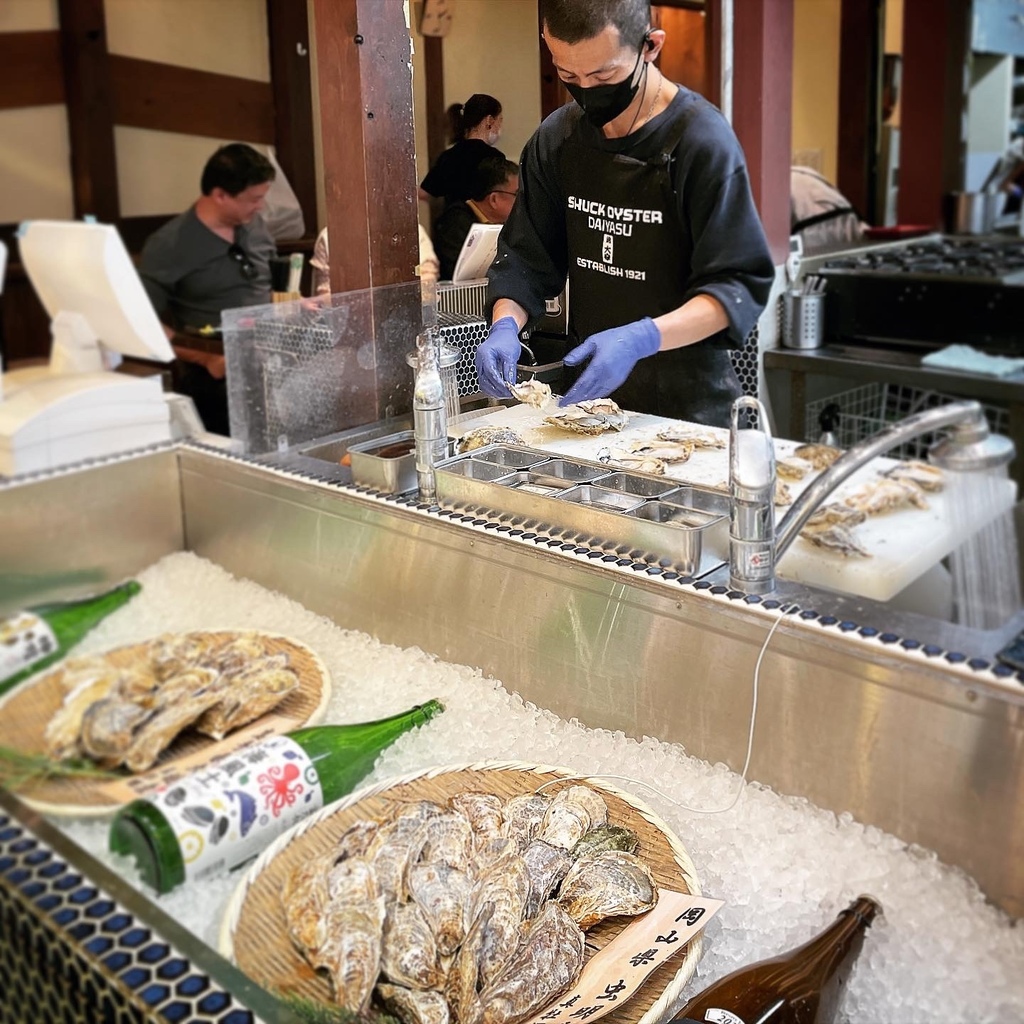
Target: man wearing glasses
(214, 256)
(496, 189)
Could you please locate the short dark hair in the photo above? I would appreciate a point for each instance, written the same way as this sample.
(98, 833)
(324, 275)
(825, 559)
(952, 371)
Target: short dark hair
(462, 117)
(234, 168)
(572, 21)
(492, 172)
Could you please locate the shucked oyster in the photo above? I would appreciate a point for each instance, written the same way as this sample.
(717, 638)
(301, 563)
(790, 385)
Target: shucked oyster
(594, 417)
(701, 440)
(820, 456)
(837, 538)
(926, 476)
(834, 514)
(606, 885)
(886, 495)
(531, 392)
(483, 436)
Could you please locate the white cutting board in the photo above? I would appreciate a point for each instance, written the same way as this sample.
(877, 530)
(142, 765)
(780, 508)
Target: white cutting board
(903, 544)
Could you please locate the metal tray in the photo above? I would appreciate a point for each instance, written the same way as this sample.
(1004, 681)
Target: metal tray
(390, 473)
(688, 531)
(511, 458)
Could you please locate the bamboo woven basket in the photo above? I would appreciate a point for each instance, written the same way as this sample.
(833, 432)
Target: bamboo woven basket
(254, 933)
(26, 710)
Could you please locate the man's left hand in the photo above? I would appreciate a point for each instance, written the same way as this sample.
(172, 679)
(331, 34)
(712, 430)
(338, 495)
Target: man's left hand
(612, 355)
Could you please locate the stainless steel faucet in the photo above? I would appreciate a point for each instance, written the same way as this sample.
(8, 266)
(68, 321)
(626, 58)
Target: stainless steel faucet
(755, 546)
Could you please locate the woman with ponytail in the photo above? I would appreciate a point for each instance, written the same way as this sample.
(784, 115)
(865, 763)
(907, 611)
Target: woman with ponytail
(475, 128)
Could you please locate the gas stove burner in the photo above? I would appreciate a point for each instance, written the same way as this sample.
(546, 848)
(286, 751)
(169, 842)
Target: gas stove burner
(996, 261)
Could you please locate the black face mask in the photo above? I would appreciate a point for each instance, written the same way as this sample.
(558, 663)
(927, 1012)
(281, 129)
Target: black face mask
(604, 103)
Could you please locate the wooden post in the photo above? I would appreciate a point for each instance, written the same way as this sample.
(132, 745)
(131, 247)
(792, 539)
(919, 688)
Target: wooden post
(364, 57)
(936, 37)
(763, 108)
(860, 38)
(83, 33)
(290, 79)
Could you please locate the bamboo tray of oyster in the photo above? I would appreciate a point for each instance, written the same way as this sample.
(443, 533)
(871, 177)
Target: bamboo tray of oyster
(459, 890)
(149, 709)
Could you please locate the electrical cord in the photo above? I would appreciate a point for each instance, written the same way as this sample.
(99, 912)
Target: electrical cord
(784, 610)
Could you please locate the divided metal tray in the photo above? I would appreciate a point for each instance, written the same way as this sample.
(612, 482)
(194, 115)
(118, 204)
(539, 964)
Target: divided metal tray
(652, 518)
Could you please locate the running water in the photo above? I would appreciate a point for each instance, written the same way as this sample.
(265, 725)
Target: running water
(986, 567)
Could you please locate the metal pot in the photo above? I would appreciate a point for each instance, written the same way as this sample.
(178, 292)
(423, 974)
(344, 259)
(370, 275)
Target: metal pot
(969, 213)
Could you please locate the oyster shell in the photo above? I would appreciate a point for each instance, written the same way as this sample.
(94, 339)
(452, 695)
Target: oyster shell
(505, 890)
(446, 838)
(246, 696)
(161, 728)
(174, 653)
(667, 451)
(572, 813)
(548, 961)
(483, 436)
(886, 495)
(460, 987)
(836, 513)
(837, 538)
(108, 728)
(792, 468)
(521, 817)
(62, 736)
(607, 837)
(607, 884)
(636, 463)
(820, 456)
(546, 866)
(531, 392)
(347, 944)
(924, 475)
(701, 440)
(481, 810)
(408, 951)
(304, 897)
(783, 495)
(414, 1007)
(441, 892)
(593, 417)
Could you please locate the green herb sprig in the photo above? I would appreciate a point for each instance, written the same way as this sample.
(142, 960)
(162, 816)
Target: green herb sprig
(19, 769)
(312, 1012)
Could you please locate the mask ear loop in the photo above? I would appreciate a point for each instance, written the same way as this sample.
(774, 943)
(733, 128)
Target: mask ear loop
(647, 65)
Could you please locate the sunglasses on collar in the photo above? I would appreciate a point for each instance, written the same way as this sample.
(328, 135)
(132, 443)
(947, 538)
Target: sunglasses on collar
(245, 265)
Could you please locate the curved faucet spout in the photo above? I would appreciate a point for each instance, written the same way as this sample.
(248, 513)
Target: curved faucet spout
(967, 414)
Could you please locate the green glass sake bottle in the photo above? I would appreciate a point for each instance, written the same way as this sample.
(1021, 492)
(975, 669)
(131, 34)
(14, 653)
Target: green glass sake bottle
(220, 815)
(803, 986)
(32, 639)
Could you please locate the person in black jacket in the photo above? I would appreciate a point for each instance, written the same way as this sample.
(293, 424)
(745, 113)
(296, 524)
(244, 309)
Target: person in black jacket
(638, 192)
(476, 127)
(491, 203)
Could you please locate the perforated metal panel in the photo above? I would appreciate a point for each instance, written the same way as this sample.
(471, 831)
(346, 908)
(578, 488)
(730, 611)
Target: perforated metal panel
(465, 332)
(71, 954)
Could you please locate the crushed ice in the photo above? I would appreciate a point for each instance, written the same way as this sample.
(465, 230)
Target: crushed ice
(784, 866)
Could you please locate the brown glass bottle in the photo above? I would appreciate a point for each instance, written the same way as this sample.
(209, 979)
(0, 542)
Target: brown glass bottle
(802, 986)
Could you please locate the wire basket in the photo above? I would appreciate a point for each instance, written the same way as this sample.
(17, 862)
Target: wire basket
(468, 298)
(866, 410)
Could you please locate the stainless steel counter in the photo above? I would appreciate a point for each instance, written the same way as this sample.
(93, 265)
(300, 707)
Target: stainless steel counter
(920, 744)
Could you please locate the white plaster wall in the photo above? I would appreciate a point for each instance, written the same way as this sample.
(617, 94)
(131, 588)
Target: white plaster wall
(816, 80)
(35, 168)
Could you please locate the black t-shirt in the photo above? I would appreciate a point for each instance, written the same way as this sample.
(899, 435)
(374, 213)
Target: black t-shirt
(454, 176)
(450, 235)
(728, 254)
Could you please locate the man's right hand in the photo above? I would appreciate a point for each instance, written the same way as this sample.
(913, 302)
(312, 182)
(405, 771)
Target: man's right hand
(497, 356)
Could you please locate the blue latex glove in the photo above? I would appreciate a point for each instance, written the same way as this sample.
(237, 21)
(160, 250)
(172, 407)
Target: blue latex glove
(612, 355)
(497, 356)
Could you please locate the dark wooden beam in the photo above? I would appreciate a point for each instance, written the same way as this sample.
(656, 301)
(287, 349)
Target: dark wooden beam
(936, 36)
(168, 98)
(369, 163)
(291, 81)
(860, 42)
(713, 52)
(32, 74)
(552, 93)
(83, 37)
(762, 108)
(433, 79)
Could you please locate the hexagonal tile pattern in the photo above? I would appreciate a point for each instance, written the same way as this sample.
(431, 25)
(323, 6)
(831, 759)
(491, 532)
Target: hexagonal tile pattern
(70, 954)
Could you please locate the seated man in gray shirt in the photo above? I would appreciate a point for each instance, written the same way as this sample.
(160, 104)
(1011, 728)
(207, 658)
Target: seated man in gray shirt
(214, 256)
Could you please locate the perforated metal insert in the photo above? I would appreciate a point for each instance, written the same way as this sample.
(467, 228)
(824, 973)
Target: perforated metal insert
(745, 362)
(71, 954)
(465, 332)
